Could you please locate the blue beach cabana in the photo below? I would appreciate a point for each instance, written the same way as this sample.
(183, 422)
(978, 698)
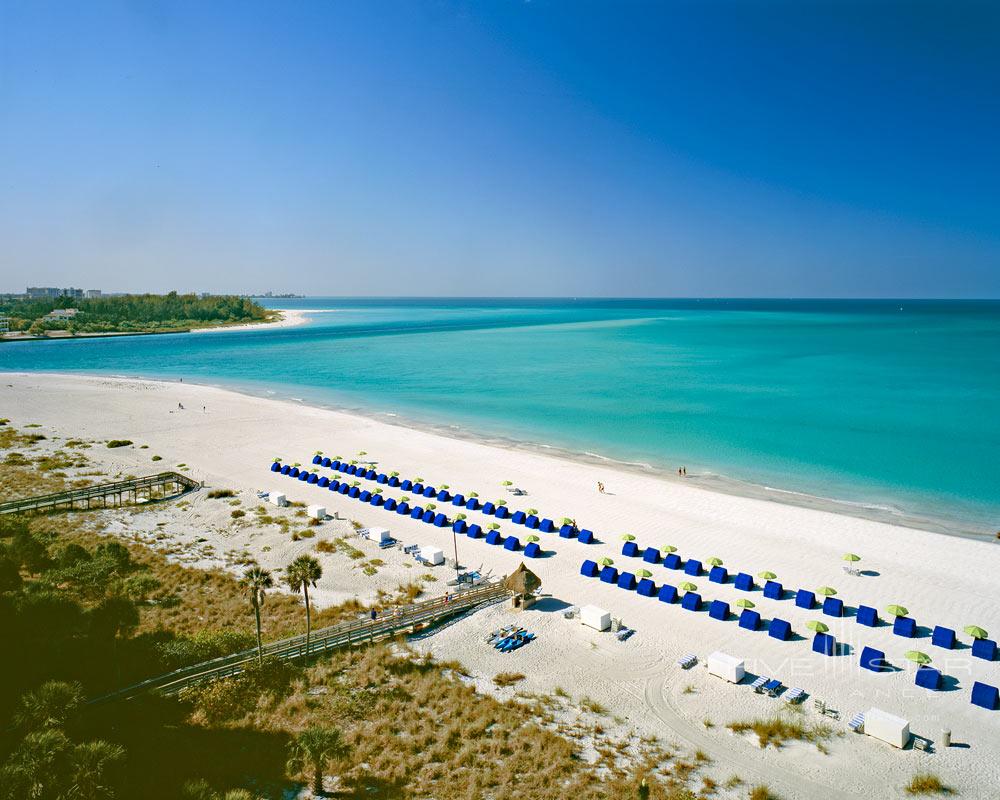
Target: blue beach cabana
(588, 568)
(501, 512)
(458, 500)
(429, 491)
(489, 508)
(928, 678)
(428, 517)
(303, 476)
(365, 496)
(718, 574)
(719, 609)
(609, 575)
(905, 626)
(313, 477)
(416, 512)
(779, 629)
(494, 537)
(532, 550)
(693, 567)
(824, 644)
(667, 594)
(867, 616)
(334, 485)
(377, 500)
(371, 475)
(353, 492)
(389, 504)
(585, 537)
(985, 649)
(985, 696)
(474, 532)
(418, 488)
(943, 637)
(691, 601)
(285, 469)
(512, 543)
(337, 465)
(873, 660)
(651, 555)
(440, 521)
(472, 504)
(805, 599)
(749, 620)
(393, 481)
(345, 488)
(403, 509)
(351, 469)
(317, 459)
(672, 561)
(324, 482)
(382, 478)
(459, 526)
(630, 549)
(276, 466)
(567, 532)
(443, 495)
(546, 526)
(626, 580)
(406, 486)
(773, 590)
(744, 582)
(833, 606)
(326, 462)
(646, 588)
(531, 522)
(518, 517)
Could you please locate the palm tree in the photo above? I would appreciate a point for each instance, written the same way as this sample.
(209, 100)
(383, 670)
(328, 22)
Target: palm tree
(302, 572)
(314, 748)
(91, 764)
(256, 581)
(49, 706)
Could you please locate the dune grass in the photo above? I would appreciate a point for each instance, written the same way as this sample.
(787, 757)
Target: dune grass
(927, 783)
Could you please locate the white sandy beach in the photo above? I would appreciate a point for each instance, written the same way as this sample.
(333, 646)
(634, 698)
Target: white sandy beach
(942, 580)
(290, 318)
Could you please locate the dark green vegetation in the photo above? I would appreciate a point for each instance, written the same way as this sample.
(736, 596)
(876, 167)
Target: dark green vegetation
(133, 313)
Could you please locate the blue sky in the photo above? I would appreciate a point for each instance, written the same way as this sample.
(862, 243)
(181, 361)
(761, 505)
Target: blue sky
(502, 148)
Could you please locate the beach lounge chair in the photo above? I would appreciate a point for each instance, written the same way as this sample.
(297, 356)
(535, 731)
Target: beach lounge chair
(609, 575)
(833, 606)
(779, 629)
(651, 555)
(928, 678)
(744, 582)
(691, 601)
(588, 568)
(772, 688)
(693, 567)
(749, 620)
(867, 616)
(985, 649)
(546, 526)
(824, 644)
(794, 695)
(852, 570)
(873, 660)
(532, 550)
(667, 594)
(985, 696)
(905, 626)
(718, 575)
(672, 561)
(943, 637)
(857, 723)
(920, 743)
(687, 661)
(626, 580)
(624, 633)
(646, 588)
(805, 599)
(773, 590)
(630, 549)
(719, 609)
(758, 685)
(585, 537)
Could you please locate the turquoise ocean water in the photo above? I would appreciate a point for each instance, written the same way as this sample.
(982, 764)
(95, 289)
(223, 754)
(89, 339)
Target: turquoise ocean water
(893, 405)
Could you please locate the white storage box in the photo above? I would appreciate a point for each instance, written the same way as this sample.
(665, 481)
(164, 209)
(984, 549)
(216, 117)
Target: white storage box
(277, 498)
(316, 512)
(888, 728)
(432, 555)
(380, 535)
(729, 668)
(596, 618)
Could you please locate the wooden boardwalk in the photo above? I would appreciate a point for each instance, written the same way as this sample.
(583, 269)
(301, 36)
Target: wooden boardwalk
(159, 486)
(325, 640)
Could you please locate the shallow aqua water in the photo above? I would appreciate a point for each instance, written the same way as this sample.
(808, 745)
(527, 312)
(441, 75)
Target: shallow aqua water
(888, 402)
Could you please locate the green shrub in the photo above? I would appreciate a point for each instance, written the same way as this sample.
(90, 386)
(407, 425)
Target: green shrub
(119, 443)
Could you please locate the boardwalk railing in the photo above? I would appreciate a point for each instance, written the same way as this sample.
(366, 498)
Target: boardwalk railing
(324, 640)
(167, 483)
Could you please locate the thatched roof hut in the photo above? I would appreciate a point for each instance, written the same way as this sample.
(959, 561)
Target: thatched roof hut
(523, 583)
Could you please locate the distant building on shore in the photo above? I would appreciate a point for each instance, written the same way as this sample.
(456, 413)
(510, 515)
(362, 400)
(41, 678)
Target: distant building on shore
(43, 292)
(4, 324)
(61, 315)
(93, 294)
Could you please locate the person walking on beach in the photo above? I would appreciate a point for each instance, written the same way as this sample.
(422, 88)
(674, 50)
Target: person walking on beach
(374, 615)
(600, 487)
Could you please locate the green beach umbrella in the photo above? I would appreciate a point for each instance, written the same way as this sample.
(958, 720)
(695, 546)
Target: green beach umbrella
(744, 603)
(917, 657)
(533, 538)
(628, 537)
(896, 611)
(606, 562)
(643, 573)
(766, 576)
(816, 625)
(826, 591)
(851, 557)
(715, 562)
(688, 587)
(668, 548)
(975, 632)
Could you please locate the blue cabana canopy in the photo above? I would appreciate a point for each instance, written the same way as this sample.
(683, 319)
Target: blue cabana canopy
(773, 590)
(303, 476)
(779, 629)
(672, 561)
(324, 482)
(630, 549)
(403, 508)
(749, 619)
(646, 588)
(501, 512)
(824, 644)
(417, 512)
(718, 575)
(365, 496)
(609, 575)
(334, 485)
(512, 543)
(389, 505)
(568, 531)
(985, 696)
(443, 495)
(276, 466)
(459, 526)
(353, 492)
(313, 478)
(532, 550)
(867, 616)
(667, 594)
(546, 526)
(905, 626)
(489, 508)
(377, 500)
(371, 475)
(393, 481)
(943, 637)
(928, 678)
(352, 469)
(285, 469)
(440, 520)
(418, 488)
(985, 649)
(873, 660)
(719, 609)
(337, 465)
(588, 568)
(406, 486)
(429, 491)
(494, 537)
(693, 567)
(474, 532)
(326, 462)
(744, 582)
(691, 601)
(532, 522)
(382, 478)
(345, 488)
(626, 580)
(473, 504)
(651, 555)
(317, 459)
(428, 517)
(805, 599)
(833, 606)
(586, 537)
(458, 500)
(518, 517)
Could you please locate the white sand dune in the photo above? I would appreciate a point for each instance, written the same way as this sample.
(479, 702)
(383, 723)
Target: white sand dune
(942, 580)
